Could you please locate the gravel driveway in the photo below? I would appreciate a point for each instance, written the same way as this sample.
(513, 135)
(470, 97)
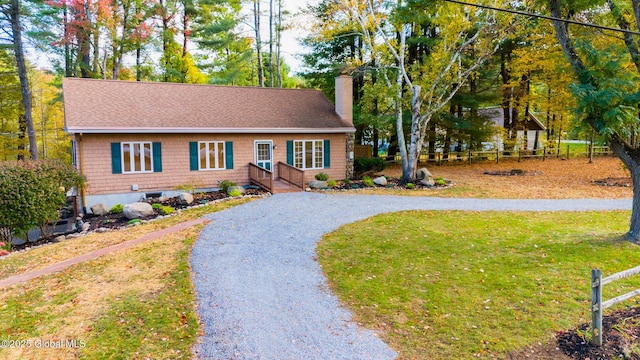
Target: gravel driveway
(262, 295)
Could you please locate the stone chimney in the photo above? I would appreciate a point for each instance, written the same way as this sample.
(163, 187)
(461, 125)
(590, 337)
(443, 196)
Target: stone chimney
(344, 97)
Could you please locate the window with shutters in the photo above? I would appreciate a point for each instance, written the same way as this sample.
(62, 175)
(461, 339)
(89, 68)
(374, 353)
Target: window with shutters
(211, 155)
(308, 154)
(137, 157)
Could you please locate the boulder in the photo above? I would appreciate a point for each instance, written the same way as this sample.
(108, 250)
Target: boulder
(235, 188)
(186, 198)
(317, 184)
(381, 180)
(86, 227)
(429, 181)
(138, 210)
(100, 209)
(423, 173)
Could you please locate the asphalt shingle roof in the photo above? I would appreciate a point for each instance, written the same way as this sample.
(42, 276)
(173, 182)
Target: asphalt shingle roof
(105, 106)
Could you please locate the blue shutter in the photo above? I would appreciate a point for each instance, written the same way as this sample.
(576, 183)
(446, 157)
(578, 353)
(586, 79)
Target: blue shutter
(194, 158)
(116, 159)
(290, 152)
(157, 156)
(327, 154)
(228, 155)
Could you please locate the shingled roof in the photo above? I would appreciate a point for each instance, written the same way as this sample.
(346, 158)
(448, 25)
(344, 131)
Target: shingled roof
(104, 106)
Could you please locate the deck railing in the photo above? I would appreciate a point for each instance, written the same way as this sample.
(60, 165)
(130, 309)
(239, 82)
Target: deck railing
(261, 177)
(291, 175)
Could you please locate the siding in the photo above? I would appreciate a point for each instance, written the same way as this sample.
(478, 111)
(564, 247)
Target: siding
(96, 161)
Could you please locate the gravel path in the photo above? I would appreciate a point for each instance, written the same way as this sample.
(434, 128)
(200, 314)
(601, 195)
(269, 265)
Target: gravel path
(262, 295)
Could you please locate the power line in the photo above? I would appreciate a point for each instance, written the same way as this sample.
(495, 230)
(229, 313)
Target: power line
(545, 17)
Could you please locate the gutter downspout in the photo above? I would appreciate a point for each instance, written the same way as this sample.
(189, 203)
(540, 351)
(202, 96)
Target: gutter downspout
(81, 158)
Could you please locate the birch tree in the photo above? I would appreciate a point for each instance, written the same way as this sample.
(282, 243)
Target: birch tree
(434, 79)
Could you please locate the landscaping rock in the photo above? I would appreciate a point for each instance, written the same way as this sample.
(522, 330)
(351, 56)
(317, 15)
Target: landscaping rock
(86, 227)
(59, 238)
(381, 180)
(77, 226)
(234, 188)
(317, 184)
(423, 174)
(186, 199)
(137, 210)
(428, 181)
(100, 209)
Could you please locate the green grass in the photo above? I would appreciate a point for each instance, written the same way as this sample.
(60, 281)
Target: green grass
(135, 303)
(445, 285)
(162, 325)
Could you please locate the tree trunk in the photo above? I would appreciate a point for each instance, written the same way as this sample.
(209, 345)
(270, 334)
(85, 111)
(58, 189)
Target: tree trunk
(16, 28)
(631, 159)
(271, 67)
(67, 52)
(256, 19)
(432, 141)
(278, 45)
(185, 34)
(119, 49)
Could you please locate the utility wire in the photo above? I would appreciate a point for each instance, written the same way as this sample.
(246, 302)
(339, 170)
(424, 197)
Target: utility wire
(545, 17)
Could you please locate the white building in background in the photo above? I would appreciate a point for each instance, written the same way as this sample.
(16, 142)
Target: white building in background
(534, 130)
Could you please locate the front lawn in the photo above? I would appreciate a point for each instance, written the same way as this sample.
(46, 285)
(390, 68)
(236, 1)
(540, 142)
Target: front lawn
(463, 285)
(137, 303)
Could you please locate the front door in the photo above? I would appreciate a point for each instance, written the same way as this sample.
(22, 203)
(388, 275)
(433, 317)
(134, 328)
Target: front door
(264, 157)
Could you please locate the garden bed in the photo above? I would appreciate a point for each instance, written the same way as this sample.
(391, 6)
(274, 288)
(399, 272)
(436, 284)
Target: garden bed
(117, 221)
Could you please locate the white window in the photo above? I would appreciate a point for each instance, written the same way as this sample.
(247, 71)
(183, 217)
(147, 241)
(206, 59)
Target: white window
(308, 154)
(211, 155)
(137, 157)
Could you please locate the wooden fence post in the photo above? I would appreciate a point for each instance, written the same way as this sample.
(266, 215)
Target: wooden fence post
(544, 153)
(567, 152)
(469, 156)
(497, 155)
(596, 307)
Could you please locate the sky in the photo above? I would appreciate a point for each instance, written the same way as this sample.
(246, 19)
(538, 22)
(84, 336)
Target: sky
(291, 49)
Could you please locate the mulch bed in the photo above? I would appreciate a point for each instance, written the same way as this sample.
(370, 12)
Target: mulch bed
(514, 172)
(117, 221)
(621, 182)
(620, 338)
(392, 183)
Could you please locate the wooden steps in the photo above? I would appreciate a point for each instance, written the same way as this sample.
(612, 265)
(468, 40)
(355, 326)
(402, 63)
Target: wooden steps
(281, 187)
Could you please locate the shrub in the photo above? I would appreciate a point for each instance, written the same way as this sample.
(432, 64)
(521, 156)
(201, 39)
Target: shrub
(32, 193)
(440, 181)
(134, 221)
(235, 193)
(224, 185)
(117, 209)
(5, 247)
(410, 186)
(322, 176)
(166, 210)
(332, 183)
(367, 181)
(372, 164)
(347, 181)
(156, 206)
